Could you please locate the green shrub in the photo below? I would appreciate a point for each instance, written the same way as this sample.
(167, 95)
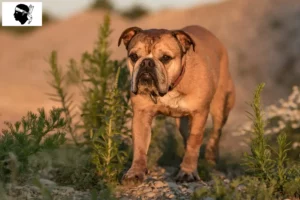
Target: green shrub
(69, 165)
(102, 4)
(243, 188)
(270, 175)
(135, 12)
(281, 117)
(58, 83)
(104, 85)
(267, 163)
(34, 133)
(107, 155)
(259, 162)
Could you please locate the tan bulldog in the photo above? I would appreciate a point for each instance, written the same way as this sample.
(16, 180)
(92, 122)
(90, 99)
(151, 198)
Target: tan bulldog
(180, 73)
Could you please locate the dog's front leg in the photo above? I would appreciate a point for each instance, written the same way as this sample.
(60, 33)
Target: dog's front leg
(188, 168)
(141, 136)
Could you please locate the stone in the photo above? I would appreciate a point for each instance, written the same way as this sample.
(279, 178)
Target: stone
(189, 191)
(159, 184)
(35, 189)
(155, 177)
(166, 189)
(227, 181)
(170, 196)
(185, 184)
(146, 190)
(193, 186)
(172, 185)
(241, 187)
(150, 194)
(47, 182)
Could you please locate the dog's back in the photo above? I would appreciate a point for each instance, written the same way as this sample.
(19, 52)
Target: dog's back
(213, 52)
(208, 44)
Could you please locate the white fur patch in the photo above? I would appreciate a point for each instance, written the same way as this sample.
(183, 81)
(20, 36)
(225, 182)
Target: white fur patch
(173, 99)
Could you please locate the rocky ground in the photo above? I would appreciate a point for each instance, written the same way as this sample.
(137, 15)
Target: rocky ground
(158, 185)
(53, 191)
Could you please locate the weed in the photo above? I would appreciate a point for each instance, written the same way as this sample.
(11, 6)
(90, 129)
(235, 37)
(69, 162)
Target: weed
(269, 174)
(30, 135)
(104, 109)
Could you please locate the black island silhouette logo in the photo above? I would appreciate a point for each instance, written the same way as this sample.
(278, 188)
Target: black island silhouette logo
(23, 13)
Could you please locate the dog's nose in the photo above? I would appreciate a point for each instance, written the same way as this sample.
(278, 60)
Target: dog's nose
(148, 62)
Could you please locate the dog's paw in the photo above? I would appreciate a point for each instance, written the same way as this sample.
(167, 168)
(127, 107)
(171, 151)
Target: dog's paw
(183, 176)
(134, 177)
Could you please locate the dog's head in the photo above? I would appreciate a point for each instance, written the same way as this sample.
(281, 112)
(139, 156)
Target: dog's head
(155, 57)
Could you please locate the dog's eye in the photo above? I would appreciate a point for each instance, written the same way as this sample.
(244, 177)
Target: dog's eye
(165, 59)
(134, 57)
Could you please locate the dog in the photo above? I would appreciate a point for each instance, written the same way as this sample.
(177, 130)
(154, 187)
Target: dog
(183, 74)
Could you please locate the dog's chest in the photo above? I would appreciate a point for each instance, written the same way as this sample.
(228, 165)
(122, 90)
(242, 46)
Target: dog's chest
(173, 103)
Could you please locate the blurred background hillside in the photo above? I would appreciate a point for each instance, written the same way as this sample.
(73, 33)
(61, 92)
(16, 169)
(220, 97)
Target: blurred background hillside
(262, 37)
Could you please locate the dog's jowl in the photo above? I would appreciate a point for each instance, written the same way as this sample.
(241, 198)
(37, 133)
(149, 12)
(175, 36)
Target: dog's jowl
(180, 73)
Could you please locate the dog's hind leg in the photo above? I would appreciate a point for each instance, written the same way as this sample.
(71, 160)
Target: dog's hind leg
(220, 109)
(188, 167)
(182, 124)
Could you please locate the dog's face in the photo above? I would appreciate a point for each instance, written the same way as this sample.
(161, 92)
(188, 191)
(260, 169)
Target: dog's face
(155, 58)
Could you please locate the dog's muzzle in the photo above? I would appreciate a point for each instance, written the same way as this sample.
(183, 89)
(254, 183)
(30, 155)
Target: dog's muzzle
(148, 77)
(146, 74)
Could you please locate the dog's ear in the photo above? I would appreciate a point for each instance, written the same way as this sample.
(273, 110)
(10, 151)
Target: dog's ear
(128, 34)
(184, 39)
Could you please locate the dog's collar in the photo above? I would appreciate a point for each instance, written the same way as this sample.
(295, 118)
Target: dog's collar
(178, 79)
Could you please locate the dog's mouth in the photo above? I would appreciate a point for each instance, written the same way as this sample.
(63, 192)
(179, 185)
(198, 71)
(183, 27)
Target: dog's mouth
(147, 83)
(149, 79)
(146, 78)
